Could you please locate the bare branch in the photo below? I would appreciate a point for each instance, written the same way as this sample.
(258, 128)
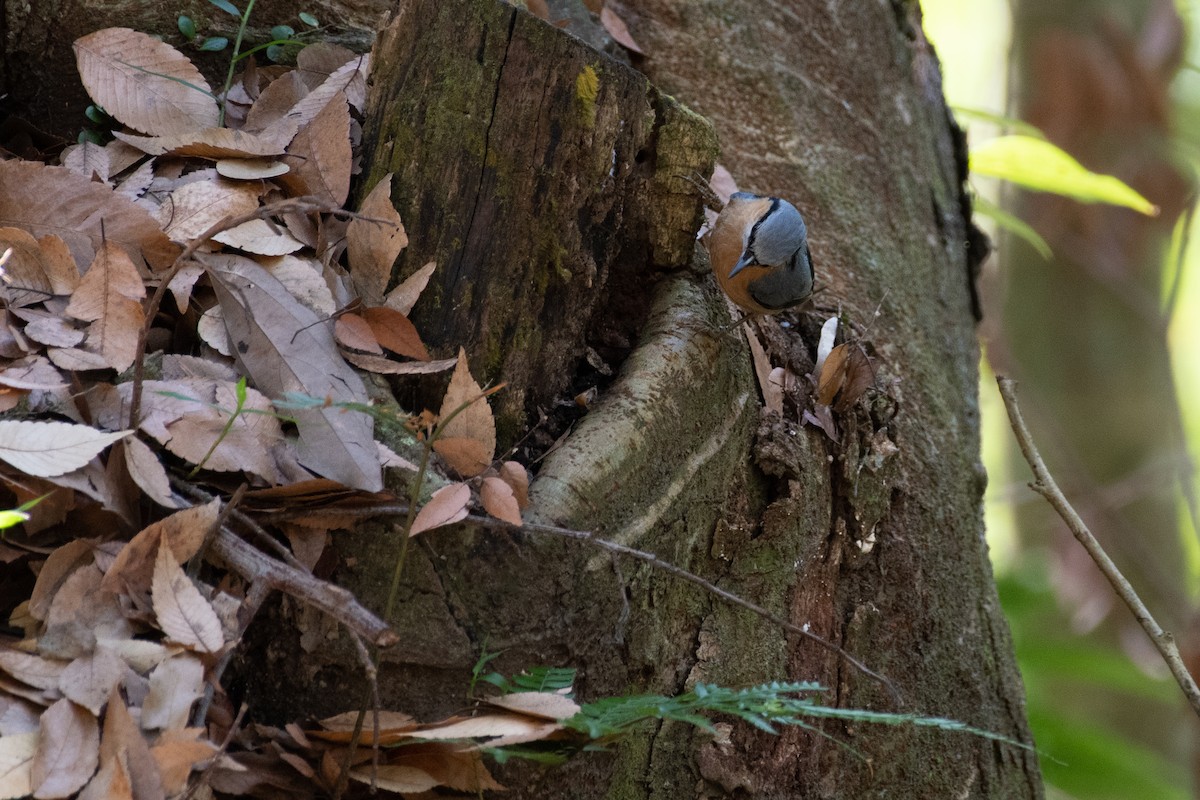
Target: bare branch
(1044, 485)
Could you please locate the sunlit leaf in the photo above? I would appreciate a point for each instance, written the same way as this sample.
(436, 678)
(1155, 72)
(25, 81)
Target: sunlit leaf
(1041, 166)
(1000, 120)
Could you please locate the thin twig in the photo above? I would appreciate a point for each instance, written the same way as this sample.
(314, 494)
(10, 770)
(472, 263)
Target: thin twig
(1044, 485)
(649, 558)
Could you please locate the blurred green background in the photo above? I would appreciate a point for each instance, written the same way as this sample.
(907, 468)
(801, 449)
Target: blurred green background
(1103, 338)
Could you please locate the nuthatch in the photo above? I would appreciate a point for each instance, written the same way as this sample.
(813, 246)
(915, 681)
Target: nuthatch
(759, 252)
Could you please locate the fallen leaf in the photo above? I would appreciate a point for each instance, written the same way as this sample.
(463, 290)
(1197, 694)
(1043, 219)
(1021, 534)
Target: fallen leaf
(109, 296)
(498, 500)
(185, 531)
(143, 82)
(617, 29)
(402, 780)
(49, 449)
(547, 705)
(68, 746)
(122, 744)
(177, 753)
(394, 331)
(282, 345)
(405, 296)
(17, 751)
(833, 374)
(214, 143)
(183, 613)
(516, 476)
(53, 200)
(473, 423)
(447, 506)
(88, 680)
(384, 366)
(373, 244)
(38, 672)
(260, 237)
(319, 156)
(193, 208)
(352, 331)
(175, 685)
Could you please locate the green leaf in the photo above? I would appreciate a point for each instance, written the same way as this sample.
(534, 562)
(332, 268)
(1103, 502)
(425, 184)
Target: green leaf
(1014, 225)
(187, 27)
(15, 516)
(275, 53)
(309, 20)
(999, 120)
(227, 7)
(214, 44)
(283, 32)
(96, 114)
(1041, 166)
(90, 136)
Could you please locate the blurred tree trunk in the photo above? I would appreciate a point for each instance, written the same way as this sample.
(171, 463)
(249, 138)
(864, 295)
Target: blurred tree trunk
(1085, 332)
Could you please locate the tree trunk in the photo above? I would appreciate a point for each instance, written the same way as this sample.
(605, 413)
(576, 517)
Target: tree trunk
(875, 542)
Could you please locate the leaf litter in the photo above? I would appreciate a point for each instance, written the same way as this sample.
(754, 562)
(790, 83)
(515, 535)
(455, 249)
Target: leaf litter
(251, 374)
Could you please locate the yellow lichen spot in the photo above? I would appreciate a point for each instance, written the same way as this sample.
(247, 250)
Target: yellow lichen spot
(587, 88)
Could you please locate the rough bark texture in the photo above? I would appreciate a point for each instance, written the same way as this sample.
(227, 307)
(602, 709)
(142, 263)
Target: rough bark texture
(516, 178)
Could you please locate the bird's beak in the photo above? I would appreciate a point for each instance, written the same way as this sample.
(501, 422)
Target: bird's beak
(742, 263)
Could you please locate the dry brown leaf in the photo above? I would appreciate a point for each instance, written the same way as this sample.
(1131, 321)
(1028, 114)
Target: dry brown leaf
(177, 753)
(149, 474)
(346, 722)
(213, 143)
(348, 80)
(250, 169)
(473, 423)
(447, 506)
(81, 614)
(282, 345)
(452, 765)
(138, 181)
(618, 30)
(49, 329)
(384, 366)
(184, 530)
(88, 680)
(547, 705)
(319, 157)
(17, 751)
(516, 476)
(399, 779)
(57, 568)
(372, 246)
(59, 264)
(183, 613)
(140, 81)
(394, 331)
(51, 449)
(833, 374)
(498, 500)
(88, 159)
(38, 672)
(303, 277)
(123, 744)
(53, 200)
(68, 746)
(485, 726)
(175, 685)
(859, 377)
(260, 237)
(405, 296)
(195, 207)
(280, 96)
(352, 331)
(109, 297)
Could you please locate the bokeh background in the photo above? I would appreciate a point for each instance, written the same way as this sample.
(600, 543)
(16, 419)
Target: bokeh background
(1104, 338)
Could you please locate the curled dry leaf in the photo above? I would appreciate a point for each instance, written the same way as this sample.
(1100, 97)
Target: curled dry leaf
(833, 374)
(372, 244)
(617, 29)
(517, 477)
(498, 500)
(468, 441)
(447, 506)
(50, 449)
(144, 82)
(385, 366)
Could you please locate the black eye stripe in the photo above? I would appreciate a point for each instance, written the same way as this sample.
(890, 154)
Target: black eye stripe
(754, 230)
